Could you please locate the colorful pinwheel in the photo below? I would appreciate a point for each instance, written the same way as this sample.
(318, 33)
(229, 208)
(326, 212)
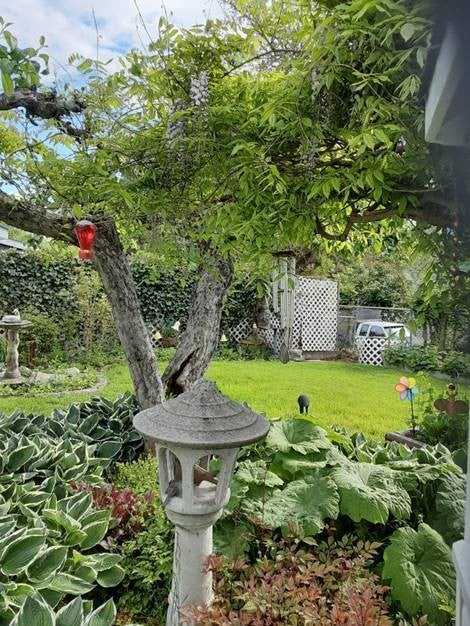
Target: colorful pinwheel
(407, 388)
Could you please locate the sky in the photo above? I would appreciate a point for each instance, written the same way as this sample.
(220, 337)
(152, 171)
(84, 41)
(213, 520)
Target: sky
(68, 25)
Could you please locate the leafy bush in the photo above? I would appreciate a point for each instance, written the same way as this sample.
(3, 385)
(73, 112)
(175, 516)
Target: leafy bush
(438, 426)
(334, 585)
(428, 358)
(47, 531)
(302, 479)
(147, 556)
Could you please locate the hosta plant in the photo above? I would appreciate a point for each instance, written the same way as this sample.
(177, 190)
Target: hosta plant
(49, 535)
(98, 422)
(35, 612)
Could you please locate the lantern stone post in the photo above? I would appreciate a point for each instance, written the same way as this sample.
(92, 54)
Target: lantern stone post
(188, 431)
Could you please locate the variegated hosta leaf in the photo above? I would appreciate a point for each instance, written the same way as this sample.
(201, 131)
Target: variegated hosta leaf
(36, 612)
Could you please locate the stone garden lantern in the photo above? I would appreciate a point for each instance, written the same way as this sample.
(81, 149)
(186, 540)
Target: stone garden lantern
(12, 324)
(199, 425)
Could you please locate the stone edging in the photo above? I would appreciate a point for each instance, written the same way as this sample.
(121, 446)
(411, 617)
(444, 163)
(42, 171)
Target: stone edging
(102, 381)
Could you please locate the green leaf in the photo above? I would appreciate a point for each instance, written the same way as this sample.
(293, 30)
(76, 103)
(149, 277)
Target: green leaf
(18, 554)
(371, 492)
(449, 515)
(297, 434)
(94, 532)
(110, 577)
(19, 457)
(71, 614)
(35, 612)
(68, 584)
(420, 570)
(407, 31)
(46, 564)
(7, 84)
(102, 616)
(307, 502)
(256, 472)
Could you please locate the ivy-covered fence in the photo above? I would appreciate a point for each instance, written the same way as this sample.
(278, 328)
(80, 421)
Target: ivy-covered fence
(71, 315)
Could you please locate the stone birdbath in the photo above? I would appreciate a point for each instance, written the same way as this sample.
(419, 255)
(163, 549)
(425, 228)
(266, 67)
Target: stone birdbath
(12, 324)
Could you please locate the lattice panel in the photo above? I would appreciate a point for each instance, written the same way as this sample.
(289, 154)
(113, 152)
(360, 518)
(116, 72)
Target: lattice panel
(316, 315)
(152, 329)
(240, 332)
(371, 350)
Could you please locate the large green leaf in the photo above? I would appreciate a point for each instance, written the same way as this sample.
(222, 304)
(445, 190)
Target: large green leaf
(71, 614)
(95, 532)
(110, 577)
(68, 584)
(297, 434)
(102, 616)
(448, 518)
(256, 472)
(19, 553)
(19, 457)
(34, 612)
(46, 564)
(306, 502)
(419, 566)
(371, 492)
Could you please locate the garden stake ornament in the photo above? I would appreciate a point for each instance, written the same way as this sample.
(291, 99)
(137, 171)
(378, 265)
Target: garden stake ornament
(188, 430)
(85, 232)
(451, 406)
(408, 390)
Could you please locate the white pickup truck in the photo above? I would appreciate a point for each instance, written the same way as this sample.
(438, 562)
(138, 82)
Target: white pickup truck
(395, 332)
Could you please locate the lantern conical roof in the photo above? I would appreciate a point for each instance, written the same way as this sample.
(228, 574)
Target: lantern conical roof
(202, 418)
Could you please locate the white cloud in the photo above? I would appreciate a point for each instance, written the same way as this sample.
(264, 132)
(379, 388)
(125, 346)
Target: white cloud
(69, 27)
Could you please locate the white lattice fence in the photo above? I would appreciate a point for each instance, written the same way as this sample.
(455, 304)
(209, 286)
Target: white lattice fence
(316, 315)
(371, 350)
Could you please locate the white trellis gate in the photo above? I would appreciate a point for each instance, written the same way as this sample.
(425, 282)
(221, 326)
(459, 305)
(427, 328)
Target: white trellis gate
(315, 324)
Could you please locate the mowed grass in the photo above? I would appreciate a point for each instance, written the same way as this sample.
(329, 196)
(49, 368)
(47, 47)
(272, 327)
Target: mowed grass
(356, 397)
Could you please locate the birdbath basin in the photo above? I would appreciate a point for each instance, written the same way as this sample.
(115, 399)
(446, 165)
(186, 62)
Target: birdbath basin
(12, 324)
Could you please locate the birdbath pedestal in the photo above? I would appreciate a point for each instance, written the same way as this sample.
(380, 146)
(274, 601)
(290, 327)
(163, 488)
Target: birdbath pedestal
(12, 324)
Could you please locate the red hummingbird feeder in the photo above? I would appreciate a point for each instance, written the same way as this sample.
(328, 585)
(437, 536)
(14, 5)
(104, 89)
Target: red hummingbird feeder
(85, 232)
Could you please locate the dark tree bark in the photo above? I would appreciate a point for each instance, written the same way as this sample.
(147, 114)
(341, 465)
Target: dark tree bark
(201, 336)
(115, 273)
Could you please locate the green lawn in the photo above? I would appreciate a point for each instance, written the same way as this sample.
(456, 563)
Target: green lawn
(358, 397)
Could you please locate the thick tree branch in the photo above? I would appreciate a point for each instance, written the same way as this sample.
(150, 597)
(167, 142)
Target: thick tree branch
(45, 105)
(37, 220)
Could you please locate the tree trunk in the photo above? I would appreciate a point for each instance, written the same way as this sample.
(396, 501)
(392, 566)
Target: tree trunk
(115, 272)
(201, 336)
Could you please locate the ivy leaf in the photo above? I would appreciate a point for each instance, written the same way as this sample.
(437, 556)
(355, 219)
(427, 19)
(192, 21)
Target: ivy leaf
(419, 566)
(297, 434)
(371, 492)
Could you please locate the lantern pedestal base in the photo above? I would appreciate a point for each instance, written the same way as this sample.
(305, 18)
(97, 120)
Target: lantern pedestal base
(191, 585)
